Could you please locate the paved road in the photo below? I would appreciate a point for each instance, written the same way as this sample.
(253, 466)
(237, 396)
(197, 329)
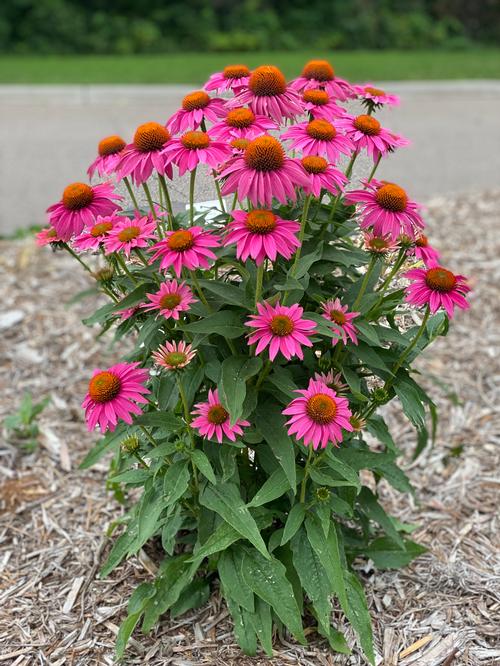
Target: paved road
(48, 136)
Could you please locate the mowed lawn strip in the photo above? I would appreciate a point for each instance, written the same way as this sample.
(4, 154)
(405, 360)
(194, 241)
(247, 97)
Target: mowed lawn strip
(195, 68)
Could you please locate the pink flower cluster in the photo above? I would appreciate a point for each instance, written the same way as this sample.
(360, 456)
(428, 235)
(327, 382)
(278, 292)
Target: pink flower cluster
(265, 142)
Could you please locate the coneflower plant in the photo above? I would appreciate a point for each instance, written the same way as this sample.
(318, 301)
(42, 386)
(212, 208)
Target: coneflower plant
(267, 335)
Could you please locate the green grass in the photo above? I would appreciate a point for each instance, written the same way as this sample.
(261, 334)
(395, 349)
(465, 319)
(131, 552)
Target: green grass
(195, 67)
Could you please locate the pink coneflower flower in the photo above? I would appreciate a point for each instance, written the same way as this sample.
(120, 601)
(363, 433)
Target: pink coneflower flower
(261, 234)
(263, 172)
(143, 155)
(323, 176)
(196, 107)
(387, 208)
(282, 328)
(379, 244)
(193, 148)
(128, 234)
(332, 380)
(318, 137)
(242, 123)
(174, 355)
(428, 254)
(213, 420)
(268, 95)
(374, 96)
(47, 236)
(318, 416)
(239, 146)
(113, 394)
(171, 299)
(128, 312)
(94, 235)
(320, 105)
(232, 77)
(367, 134)
(185, 247)
(108, 156)
(79, 205)
(437, 287)
(341, 320)
(320, 74)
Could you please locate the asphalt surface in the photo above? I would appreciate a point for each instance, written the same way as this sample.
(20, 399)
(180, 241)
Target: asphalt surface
(49, 135)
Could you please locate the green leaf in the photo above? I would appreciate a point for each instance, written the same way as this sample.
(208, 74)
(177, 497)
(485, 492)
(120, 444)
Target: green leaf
(226, 293)
(175, 481)
(137, 475)
(327, 477)
(267, 578)
(236, 370)
(377, 427)
(327, 550)
(375, 512)
(136, 296)
(369, 357)
(225, 500)
(275, 486)
(164, 420)
(383, 463)
(222, 538)
(225, 323)
(282, 379)
(119, 550)
(243, 626)
(203, 464)
(307, 260)
(358, 615)
(270, 422)
(411, 403)
(99, 315)
(386, 555)
(367, 332)
(342, 468)
(150, 507)
(194, 595)
(110, 442)
(170, 528)
(262, 622)
(229, 566)
(126, 629)
(293, 522)
(175, 574)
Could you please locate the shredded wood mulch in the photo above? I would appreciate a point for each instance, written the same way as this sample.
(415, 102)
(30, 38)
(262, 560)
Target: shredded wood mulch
(444, 609)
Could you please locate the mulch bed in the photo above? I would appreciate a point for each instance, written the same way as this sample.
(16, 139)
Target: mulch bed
(442, 609)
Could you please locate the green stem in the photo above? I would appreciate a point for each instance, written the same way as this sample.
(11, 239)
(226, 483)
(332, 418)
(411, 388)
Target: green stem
(199, 290)
(219, 195)
(375, 166)
(350, 166)
(149, 436)
(235, 200)
(74, 254)
(192, 179)
(364, 284)
(263, 374)
(258, 283)
(131, 192)
(184, 401)
(123, 265)
(166, 193)
(397, 265)
(334, 208)
(408, 350)
(147, 191)
(141, 461)
(303, 225)
(306, 474)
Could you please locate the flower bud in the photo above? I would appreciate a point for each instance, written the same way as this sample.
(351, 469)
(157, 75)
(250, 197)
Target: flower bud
(322, 494)
(130, 444)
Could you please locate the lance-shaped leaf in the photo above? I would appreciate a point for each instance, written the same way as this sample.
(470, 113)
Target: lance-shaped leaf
(236, 371)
